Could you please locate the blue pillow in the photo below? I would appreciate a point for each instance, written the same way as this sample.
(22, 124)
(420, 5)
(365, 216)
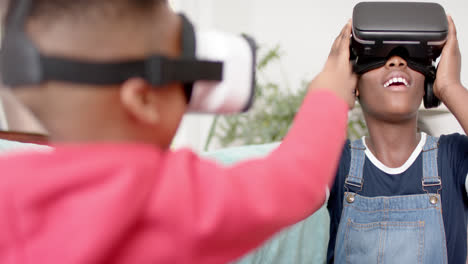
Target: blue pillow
(8, 146)
(305, 242)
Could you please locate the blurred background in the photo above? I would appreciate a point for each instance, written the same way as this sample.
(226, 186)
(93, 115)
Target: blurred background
(294, 39)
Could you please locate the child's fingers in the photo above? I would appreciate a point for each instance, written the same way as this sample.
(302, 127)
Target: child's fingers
(345, 40)
(342, 37)
(346, 32)
(452, 27)
(451, 46)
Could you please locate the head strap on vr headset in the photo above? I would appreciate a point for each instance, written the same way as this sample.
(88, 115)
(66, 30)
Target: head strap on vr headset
(157, 70)
(22, 64)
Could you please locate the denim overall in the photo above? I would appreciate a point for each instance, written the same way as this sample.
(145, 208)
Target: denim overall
(396, 229)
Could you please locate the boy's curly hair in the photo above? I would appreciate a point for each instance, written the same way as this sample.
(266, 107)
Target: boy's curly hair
(105, 9)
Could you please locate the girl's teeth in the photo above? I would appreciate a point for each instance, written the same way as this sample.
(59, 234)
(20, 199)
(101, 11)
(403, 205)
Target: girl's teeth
(396, 80)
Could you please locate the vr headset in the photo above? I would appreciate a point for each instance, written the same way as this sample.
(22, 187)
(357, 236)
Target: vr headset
(415, 31)
(216, 69)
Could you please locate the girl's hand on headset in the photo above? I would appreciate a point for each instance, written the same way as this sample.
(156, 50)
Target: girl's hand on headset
(448, 72)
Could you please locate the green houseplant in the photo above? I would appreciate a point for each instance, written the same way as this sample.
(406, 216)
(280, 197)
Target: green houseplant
(271, 115)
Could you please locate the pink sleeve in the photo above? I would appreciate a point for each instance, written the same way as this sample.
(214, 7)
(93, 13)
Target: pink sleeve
(76, 205)
(229, 211)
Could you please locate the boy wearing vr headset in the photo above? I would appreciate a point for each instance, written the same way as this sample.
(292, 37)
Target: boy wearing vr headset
(400, 196)
(117, 77)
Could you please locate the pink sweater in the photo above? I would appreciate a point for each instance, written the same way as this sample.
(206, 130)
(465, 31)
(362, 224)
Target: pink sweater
(130, 203)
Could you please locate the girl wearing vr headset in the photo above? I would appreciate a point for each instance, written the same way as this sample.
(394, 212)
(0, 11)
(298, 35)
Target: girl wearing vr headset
(400, 196)
(121, 196)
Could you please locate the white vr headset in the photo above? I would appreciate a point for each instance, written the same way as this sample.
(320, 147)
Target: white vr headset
(216, 69)
(235, 93)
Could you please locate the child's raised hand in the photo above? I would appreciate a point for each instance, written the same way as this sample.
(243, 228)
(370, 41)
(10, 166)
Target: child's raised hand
(337, 74)
(448, 72)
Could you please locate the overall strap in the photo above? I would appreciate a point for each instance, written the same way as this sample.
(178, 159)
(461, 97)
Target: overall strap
(358, 156)
(431, 177)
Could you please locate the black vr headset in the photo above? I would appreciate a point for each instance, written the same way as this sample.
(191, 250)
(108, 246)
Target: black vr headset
(415, 31)
(217, 69)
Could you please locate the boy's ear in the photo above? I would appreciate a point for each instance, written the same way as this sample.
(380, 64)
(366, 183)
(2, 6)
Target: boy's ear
(357, 92)
(140, 101)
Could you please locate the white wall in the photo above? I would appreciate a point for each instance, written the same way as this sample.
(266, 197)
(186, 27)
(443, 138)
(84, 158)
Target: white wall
(304, 29)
